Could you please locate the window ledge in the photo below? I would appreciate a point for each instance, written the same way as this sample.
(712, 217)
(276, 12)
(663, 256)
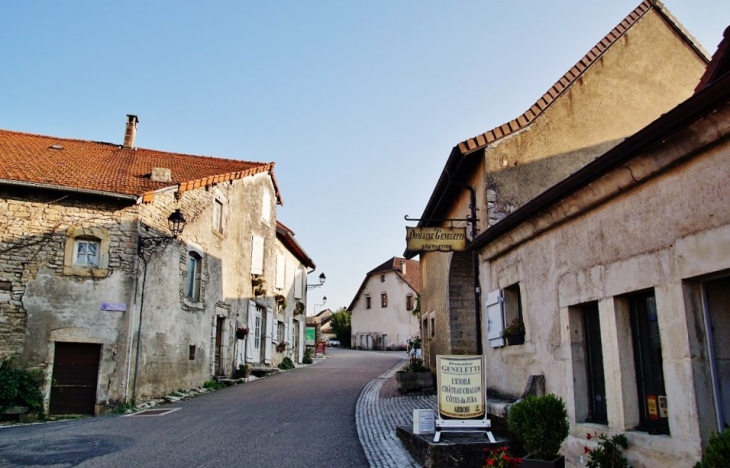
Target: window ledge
(75, 270)
(193, 304)
(218, 234)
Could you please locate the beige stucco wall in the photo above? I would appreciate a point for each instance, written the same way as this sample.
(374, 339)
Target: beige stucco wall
(395, 321)
(660, 234)
(646, 72)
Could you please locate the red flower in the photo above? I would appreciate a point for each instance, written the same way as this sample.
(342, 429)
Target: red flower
(589, 437)
(587, 450)
(490, 462)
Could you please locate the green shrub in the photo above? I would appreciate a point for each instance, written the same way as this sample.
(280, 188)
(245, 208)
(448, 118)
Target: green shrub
(717, 454)
(415, 365)
(609, 453)
(307, 359)
(540, 424)
(213, 384)
(124, 407)
(286, 364)
(20, 387)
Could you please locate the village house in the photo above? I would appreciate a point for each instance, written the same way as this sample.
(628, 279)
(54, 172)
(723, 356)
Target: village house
(620, 275)
(383, 307)
(135, 266)
(642, 68)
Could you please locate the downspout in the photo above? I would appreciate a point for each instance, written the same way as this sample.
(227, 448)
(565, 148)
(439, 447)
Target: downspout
(130, 331)
(139, 331)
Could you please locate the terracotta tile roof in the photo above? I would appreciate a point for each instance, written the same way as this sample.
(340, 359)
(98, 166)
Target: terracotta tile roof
(571, 76)
(106, 167)
(412, 276)
(286, 237)
(720, 63)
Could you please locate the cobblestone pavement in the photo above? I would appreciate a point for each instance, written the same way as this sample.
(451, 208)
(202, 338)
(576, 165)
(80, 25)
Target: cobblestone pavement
(377, 416)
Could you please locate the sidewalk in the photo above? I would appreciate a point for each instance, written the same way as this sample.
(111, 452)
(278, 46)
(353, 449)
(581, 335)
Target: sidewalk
(380, 408)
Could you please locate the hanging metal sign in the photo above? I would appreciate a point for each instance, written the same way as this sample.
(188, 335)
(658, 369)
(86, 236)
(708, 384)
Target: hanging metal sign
(442, 239)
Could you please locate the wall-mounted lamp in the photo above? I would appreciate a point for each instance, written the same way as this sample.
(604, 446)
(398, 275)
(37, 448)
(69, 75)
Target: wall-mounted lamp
(324, 301)
(322, 279)
(175, 222)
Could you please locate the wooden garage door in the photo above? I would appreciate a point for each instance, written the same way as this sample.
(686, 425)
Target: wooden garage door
(75, 372)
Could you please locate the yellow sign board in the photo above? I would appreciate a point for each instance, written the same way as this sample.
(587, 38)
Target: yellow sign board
(428, 239)
(461, 387)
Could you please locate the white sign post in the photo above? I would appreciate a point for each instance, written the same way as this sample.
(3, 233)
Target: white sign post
(462, 400)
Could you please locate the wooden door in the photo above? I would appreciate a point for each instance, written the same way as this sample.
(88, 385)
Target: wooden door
(75, 375)
(218, 345)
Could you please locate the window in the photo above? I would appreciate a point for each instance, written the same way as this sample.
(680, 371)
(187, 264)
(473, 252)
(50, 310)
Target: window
(86, 252)
(191, 353)
(409, 302)
(218, 215)
(433, 326)
(258, 320)
(382, 278)
(504, 317)
(595, 380)
(368, 302)
(280, 332)
(192, 282)
(648, 364)
(384, 300)
(298, 284)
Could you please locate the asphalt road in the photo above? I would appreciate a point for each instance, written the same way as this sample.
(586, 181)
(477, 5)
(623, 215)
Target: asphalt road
(301, 418)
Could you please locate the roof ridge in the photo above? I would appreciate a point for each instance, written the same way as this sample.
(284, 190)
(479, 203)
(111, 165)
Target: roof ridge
(566, 81)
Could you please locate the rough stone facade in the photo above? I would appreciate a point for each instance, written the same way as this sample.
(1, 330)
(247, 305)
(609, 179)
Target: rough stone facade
(154, 338)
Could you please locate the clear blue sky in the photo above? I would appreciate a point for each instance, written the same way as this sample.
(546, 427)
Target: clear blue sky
(358, 102)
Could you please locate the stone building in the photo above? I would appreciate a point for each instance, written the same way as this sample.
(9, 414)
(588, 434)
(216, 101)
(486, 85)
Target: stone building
(383, 307)
(642, 68)
(93, 278)
(620, 274)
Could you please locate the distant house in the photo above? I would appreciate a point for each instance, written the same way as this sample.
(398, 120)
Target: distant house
(641, 69)
(621, 276)
(383, 308)
(95, 276)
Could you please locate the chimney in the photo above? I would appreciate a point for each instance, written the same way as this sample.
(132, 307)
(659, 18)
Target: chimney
(131, 132)
(403, 267)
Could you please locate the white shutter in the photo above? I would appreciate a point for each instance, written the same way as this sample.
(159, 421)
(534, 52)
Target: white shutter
(269, 330)
(266, 207)
(495, 318)
(251, 324)
(257, 255)
(298, 284)
(280, 271)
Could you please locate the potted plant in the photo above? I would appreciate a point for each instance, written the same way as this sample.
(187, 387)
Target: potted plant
(414, 376)
(280, 301)
(281, 346)
(515, 332)
(608, 453)
(299, 308)
(257, 282)
(241, 333)
(243, 371)
(540, 423)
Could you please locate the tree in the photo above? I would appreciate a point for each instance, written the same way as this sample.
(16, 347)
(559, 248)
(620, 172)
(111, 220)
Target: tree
(341, 323)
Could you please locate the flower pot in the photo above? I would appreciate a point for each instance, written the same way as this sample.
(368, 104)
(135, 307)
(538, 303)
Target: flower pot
(529, 462)
(516, 339)
(410, 381)
(241, 333)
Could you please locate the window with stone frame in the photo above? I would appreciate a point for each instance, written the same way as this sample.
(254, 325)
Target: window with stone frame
(384, 300)
(218, 216)
(368, 302)
(409, 302)
(86, 252)
(280, 332)
(192, 280)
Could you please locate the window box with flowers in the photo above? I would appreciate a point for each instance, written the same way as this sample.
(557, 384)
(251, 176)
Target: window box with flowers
(280, 301)
(241, 333)
(299, 308)
(515, 332)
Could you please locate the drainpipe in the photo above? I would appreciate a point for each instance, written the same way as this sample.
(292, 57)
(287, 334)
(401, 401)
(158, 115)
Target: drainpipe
(130, 330)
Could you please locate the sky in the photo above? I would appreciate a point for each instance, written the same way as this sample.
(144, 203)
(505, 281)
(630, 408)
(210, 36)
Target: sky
(358, 103)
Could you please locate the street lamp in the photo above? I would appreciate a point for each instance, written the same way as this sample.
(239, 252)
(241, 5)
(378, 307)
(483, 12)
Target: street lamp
(324, 301)
(322, 279)
(175, 223)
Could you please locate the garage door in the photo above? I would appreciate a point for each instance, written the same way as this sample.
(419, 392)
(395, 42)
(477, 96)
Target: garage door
(75, 372)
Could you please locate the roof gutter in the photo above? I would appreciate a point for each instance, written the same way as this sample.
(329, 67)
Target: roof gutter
(61, 188)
